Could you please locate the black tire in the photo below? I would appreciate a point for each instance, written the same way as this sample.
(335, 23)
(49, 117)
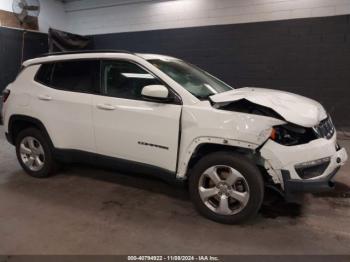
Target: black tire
(248, 170)
(50, 165)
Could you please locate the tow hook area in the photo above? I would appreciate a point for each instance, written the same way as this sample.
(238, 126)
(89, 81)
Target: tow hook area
(295, 186)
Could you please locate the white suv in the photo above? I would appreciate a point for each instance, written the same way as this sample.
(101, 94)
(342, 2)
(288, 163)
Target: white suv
(159, 115)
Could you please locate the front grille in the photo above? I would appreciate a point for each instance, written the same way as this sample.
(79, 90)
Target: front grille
(325, 128)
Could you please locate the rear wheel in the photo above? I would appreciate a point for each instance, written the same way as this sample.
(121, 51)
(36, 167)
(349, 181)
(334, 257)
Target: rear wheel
(34, 153)
(226, 187)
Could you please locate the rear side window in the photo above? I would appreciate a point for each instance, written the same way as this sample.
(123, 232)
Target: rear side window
(44, 74)
(76, 76)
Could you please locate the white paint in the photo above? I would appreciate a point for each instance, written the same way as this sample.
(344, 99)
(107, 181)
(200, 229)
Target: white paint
(155, 91)
(148, 132)
(294, 108)
(286, 157)
(151, 123)
(111, 16)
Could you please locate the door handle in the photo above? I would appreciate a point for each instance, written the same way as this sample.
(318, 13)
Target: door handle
(45, 97)
(105, 107)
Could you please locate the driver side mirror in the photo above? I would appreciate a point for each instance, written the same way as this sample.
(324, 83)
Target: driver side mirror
(156, 93)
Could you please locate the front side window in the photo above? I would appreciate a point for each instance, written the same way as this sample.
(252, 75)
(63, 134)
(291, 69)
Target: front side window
(75, 76)
(123, 79)
(198, 82)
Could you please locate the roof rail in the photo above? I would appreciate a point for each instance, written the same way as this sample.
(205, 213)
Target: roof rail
(85, 52)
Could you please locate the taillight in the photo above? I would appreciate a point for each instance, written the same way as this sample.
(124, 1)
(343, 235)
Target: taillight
(5, 95)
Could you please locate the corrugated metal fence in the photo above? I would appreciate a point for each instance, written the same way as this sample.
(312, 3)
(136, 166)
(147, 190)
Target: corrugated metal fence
(15, 47)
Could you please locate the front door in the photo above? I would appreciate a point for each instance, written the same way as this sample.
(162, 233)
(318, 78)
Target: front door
(129, 127)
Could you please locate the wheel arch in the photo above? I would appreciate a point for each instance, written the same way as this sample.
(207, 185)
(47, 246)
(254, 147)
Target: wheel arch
(17, 123)
(206, 145)
(208, 148)
(250, 151)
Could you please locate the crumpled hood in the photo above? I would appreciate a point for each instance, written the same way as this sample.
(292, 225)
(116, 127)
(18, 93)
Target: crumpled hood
(293, 108)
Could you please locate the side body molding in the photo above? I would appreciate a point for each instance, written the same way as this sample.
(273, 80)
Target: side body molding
(183, 165)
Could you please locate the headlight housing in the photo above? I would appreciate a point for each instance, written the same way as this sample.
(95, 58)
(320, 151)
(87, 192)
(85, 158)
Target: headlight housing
(290, 134)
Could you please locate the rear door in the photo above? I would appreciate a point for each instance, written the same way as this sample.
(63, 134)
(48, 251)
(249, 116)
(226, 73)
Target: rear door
(129, 127)
(64, 102)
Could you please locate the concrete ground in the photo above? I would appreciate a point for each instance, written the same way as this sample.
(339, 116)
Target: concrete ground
(90, 211)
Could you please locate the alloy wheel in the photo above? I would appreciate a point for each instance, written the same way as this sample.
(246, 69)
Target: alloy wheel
(32, 153)
(224, 190)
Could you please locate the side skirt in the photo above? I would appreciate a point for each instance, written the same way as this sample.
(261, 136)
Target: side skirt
(70, 156)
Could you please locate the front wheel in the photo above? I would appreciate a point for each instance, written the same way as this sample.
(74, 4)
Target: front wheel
(226, 187)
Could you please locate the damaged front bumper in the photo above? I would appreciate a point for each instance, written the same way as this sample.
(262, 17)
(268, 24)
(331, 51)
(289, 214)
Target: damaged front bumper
(308, 167)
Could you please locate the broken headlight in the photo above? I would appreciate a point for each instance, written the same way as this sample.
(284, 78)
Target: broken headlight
(290, 134)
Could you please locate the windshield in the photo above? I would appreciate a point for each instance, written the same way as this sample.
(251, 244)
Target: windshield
(198, 82)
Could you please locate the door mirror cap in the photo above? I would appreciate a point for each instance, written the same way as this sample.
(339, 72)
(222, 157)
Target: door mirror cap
(155, 92)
